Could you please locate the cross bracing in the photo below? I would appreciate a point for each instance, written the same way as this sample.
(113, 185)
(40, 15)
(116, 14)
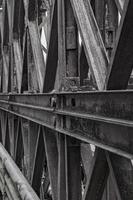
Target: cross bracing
(66, 99)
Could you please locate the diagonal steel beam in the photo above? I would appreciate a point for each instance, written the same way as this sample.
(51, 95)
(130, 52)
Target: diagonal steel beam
(33, 142)
(38, 162)
(123, 172)
(18, 60)
(37, 53)
(113, 178)
(51, 64)
(92, 41)
(122, 60)
(98, 176)
(120, 5)
(52, 159)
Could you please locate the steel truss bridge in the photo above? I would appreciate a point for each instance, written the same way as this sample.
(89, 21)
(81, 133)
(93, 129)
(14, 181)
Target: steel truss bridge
(66, 99)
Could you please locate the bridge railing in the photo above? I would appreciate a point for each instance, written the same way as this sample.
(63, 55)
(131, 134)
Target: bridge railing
(12, 182)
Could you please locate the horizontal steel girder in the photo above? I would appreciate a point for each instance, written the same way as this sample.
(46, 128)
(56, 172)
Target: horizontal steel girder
(101, 118)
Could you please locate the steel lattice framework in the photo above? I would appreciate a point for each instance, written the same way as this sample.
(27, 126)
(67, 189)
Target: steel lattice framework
(66, 101)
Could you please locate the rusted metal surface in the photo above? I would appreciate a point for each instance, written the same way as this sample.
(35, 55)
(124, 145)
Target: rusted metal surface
(58, 61)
